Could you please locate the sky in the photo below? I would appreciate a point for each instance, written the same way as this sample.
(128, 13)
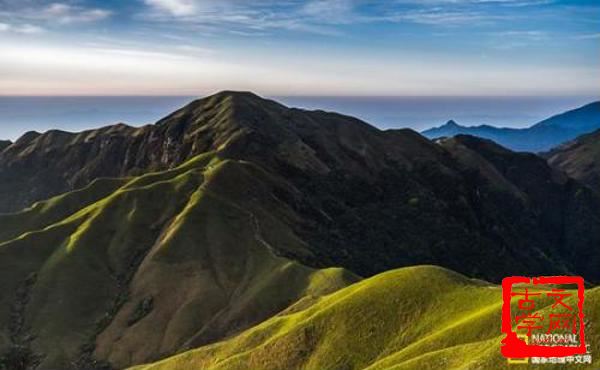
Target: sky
(293, 47)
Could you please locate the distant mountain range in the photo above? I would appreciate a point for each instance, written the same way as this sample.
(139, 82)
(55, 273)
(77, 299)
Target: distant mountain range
(540, 137)
(238, 221)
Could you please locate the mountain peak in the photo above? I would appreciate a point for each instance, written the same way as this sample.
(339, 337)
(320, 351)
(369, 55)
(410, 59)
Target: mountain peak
(233, 98)
(234, 94)
(450, 128)
(223, 102)
(28, 136)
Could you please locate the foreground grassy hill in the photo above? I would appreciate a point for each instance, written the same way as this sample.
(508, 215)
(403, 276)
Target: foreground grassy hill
(418, 318)
(129, 270)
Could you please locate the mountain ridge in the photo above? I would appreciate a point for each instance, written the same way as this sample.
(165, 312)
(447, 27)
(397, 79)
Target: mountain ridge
(328, 159)
(539, 137)
(579, 158)
(236, 209)
(226, 117)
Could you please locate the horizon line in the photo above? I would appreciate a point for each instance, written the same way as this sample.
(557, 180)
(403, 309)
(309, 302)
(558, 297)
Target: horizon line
(592, 96)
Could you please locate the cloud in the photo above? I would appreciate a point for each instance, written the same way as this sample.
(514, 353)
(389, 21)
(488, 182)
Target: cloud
(23, 28)
(513, 39)
(237, 16)
(531, 35)
(331, 11)
(508, 3)
(71, 69)
(588, 36)
(444, 17)
(29, 17)
(399, 57)
(326, 16)
(28, 29)
(66, 14)
(195, 50)
(174, 7)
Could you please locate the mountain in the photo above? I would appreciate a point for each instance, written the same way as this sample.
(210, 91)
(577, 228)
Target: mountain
(413, 318)
(237, 124)
(538, 138)
(423, 202)
(4, 144)
(126, 271)
(579, 158)
(234, 209)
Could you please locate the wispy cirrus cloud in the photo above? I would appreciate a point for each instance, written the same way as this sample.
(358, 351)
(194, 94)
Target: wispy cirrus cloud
(322, 16)
(332, 11)
(387, 47)
(66, 14)
(588, 36)
(514, 39)
(27, 29)
(445, 17)
(509, 3)
(31, 17)
(242, 17)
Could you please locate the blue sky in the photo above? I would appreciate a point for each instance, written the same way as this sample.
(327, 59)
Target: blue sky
(292, 47)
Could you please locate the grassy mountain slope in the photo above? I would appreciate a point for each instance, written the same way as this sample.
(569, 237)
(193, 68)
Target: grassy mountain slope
(151, 268)
(423, 202)
(44, 213)
(413, 318)
(38, 166)
(579, 158)
(252, 206)
(540, 137)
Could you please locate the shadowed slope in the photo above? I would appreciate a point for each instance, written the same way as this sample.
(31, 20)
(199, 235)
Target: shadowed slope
(579, 159)
(515, 184)
(4, 144)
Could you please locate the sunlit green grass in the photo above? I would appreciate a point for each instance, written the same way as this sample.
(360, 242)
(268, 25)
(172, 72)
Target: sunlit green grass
(197, 239)
(412, 318)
